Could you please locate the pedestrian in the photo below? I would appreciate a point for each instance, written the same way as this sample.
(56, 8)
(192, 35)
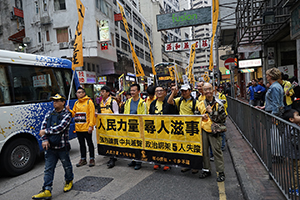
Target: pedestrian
(256, 93)
(84, 117)
(160, 107)
(108, 106)
(288, 92)
(214, 112)
(292, 148)
(186, 105)
(55, 141)
(135, 105)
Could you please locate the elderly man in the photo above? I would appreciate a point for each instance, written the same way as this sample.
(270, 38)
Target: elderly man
(199, 87)
(213, 111)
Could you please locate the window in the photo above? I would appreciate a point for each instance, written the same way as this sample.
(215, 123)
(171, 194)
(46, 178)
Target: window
(124, 44)
(36, 7)
(62, 35)
(32, 83)
(93, 67)
(88, 67)
(59, 5)
(39, 37)
(18, 4)
(45, 5)
(47, 36)
(117, 40)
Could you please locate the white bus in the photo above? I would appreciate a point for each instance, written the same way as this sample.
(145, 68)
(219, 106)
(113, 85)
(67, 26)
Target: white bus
(26, 83)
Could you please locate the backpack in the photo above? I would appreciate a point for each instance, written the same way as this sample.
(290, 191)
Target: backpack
(193, 107)
(110, 106)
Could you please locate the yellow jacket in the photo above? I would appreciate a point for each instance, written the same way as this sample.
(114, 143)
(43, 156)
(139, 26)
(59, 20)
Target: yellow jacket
(84, 113)
(201, 97)
(141, 109)
(106, 108)
(287, 85)
(206, 125)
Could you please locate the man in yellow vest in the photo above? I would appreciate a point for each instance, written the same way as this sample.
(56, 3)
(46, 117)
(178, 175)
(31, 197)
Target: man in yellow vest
(135, 105)
(108, 106)
(199, 87)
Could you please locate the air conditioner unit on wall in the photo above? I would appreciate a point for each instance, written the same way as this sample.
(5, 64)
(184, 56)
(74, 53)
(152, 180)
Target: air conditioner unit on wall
(71, 43)
(63, 45)
(45, 20)
(26, 40)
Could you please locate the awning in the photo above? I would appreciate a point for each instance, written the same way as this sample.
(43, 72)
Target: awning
(17, 37)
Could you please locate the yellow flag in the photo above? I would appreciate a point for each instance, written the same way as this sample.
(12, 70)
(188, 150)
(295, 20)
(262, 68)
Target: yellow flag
(151, 56)
(138, 67)
(215, 11)
(77, 60)
(189, 69)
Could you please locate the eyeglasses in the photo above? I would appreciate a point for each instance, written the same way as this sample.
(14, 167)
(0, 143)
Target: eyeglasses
(159, 91)
(79, 92)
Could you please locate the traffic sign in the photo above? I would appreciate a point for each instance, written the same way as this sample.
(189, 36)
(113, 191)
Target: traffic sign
(228, 62)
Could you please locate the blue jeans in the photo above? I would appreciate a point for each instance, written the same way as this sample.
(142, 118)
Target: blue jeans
(51, 158)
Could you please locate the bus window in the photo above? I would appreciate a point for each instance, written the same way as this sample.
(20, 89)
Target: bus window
(59, 79)
(68, 79)
(33, 83)
(4, 86)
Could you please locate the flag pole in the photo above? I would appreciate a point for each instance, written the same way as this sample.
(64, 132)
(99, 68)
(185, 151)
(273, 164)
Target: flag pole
(69, 96)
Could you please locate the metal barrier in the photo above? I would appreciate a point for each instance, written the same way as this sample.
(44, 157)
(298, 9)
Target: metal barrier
(274, 140)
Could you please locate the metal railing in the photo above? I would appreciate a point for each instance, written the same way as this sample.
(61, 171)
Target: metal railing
(274, 140)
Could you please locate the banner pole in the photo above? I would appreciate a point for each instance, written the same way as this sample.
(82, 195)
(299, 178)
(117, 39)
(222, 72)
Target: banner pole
(69, 96)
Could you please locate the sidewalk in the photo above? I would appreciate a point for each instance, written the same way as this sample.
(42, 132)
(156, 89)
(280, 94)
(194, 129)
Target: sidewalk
(253, 177)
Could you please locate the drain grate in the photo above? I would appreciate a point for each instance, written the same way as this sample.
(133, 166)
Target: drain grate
(91, 183)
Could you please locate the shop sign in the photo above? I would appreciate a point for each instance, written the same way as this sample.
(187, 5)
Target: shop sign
(102, 80)
(18, 12)
(250, 63)
(186, 46)
(86, 77)
(103, 26)
(184, 18)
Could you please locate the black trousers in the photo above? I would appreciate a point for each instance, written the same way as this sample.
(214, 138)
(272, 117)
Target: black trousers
(82, 136)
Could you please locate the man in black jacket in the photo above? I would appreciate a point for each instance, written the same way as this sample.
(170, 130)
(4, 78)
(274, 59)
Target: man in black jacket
(160, 107)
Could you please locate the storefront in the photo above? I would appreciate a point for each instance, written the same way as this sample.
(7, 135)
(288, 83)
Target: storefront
(87, 80)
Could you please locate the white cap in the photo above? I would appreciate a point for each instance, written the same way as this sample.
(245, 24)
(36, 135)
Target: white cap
(185, 87)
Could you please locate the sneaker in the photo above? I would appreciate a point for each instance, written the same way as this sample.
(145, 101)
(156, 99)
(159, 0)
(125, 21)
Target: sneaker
(68, 186)
(155, 167)
(166, 168)
(81, 163)
(44, 194)
(92, 163)
(132, 164)
(221, 177)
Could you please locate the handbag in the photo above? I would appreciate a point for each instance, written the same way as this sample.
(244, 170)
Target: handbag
(258, 96)
(218, 128)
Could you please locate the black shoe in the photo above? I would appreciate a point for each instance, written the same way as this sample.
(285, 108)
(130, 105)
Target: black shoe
(132, 164)
(138, 166)
(111, 163)
(204, 174)
(221, 177)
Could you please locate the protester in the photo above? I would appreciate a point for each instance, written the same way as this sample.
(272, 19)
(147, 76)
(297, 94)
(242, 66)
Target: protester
(256, 93)
(213, 111)
(84, 113)
(120, 103)
(292, 148)
(186, 105)
(151, 96)
(55, 140)
(108, 106)
(288, 92)
(135, 105)
(199, 87)
(160, 107)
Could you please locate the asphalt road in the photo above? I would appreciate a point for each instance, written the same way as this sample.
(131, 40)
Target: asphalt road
(123, 182)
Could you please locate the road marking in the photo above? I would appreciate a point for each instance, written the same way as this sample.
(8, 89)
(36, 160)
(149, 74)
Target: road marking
(222, 194)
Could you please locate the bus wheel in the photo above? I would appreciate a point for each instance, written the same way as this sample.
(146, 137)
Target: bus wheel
(18, 157)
